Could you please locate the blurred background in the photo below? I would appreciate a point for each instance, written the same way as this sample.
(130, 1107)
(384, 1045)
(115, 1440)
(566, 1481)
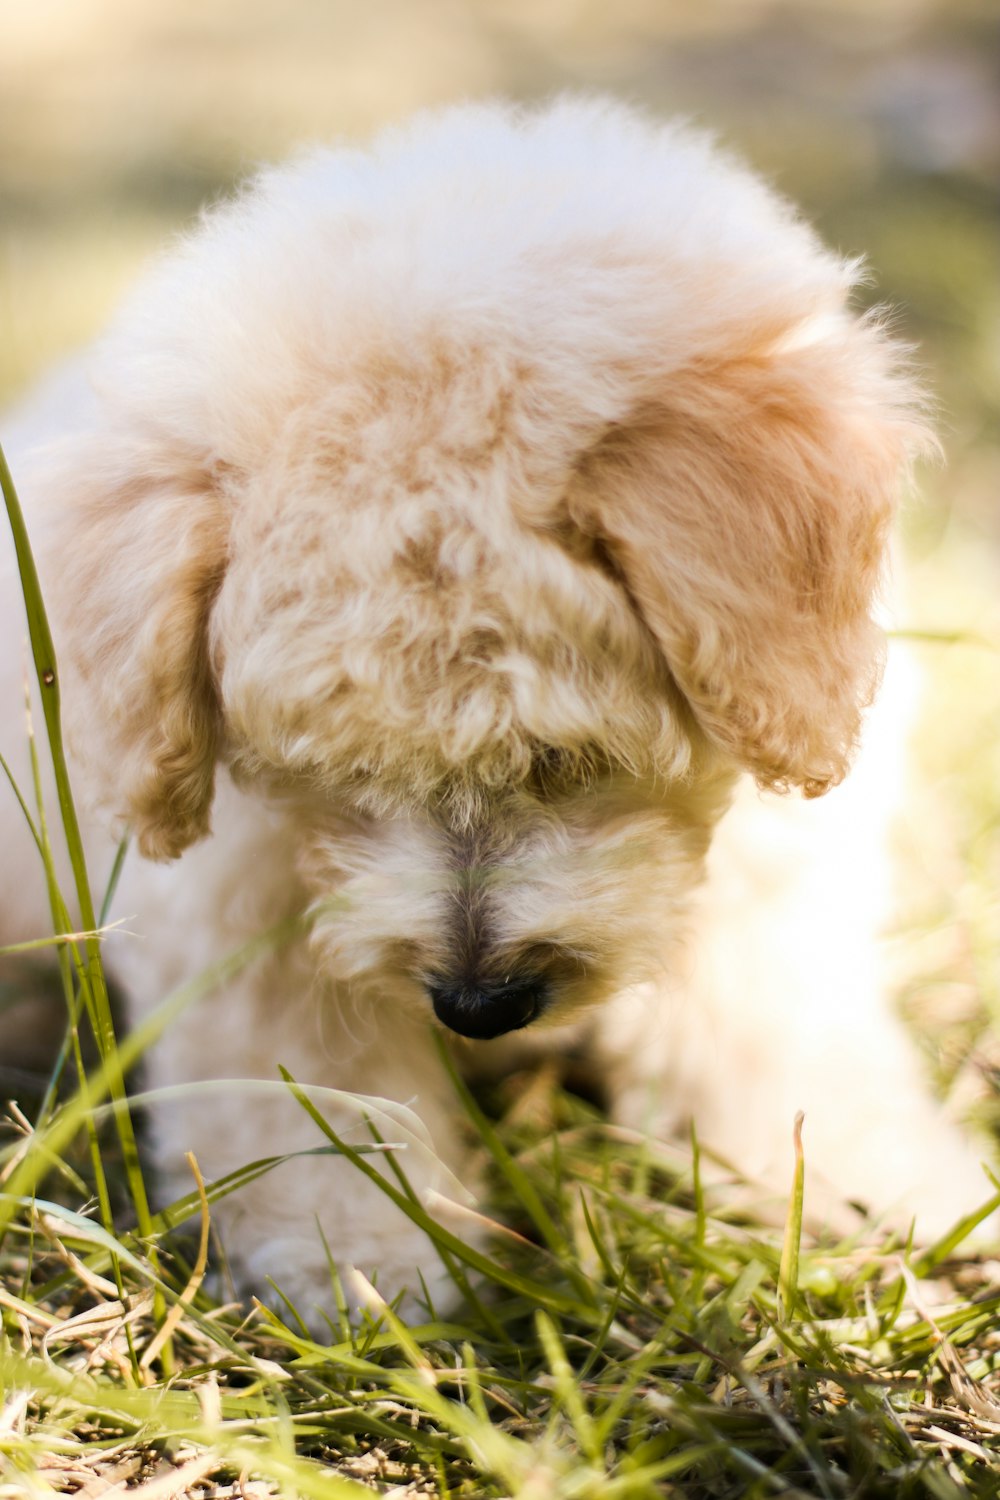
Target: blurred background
(119, 118)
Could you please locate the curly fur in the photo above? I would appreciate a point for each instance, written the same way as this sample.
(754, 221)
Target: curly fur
(485, 503)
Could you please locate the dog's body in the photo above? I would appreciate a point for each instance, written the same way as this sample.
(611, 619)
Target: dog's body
(488, 505)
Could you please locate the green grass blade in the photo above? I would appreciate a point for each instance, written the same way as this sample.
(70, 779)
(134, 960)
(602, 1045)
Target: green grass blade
(788, 1271)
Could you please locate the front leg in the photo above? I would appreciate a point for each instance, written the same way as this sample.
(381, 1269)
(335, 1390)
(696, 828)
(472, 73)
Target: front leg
(780, 1005)
(217, 1065)
(228, 1106)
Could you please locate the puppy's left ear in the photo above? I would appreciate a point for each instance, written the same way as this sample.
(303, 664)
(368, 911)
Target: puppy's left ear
(746, 505)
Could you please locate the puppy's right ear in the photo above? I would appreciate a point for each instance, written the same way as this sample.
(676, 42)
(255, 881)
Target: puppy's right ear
(138, 548)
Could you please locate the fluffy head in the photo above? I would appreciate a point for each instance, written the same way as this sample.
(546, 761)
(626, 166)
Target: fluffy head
(496, 495)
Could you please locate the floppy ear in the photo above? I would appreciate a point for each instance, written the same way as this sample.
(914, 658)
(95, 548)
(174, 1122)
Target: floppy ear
(138, 556)
(746, 506)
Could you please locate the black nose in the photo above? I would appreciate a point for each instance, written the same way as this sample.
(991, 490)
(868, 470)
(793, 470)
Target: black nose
(484, 1009)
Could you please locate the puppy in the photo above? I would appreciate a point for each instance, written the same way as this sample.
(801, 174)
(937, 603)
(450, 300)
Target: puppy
(449, 531)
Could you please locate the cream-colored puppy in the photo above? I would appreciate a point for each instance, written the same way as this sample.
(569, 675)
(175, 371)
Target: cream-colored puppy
(449, 528)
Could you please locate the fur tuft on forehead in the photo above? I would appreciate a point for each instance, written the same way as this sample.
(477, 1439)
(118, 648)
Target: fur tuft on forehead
(342, 406)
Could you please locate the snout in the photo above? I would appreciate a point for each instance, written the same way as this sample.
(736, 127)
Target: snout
(485, 1009)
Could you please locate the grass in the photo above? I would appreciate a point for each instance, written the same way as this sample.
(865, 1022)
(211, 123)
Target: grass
(641, 1326)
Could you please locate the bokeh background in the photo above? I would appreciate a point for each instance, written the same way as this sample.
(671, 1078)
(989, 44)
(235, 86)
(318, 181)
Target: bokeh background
(118, 118)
